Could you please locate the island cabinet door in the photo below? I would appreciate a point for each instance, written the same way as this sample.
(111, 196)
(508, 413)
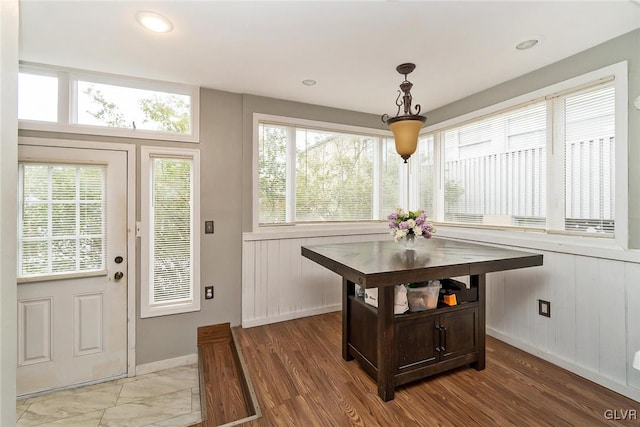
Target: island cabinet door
(417, 342)
(459, 333)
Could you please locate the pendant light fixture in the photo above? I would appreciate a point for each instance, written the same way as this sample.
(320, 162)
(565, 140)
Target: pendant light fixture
(405, 127)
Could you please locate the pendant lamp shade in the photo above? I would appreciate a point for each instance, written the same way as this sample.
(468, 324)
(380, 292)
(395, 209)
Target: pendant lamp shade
(405, 133)
(406, 127)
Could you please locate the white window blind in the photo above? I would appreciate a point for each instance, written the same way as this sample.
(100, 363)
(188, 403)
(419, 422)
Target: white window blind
(495, 169)
(61, 226)
(589, 141)
(426, 170)
(319, 175)
(170, 231)
(334, 176)
(272, 174)
(391, 165)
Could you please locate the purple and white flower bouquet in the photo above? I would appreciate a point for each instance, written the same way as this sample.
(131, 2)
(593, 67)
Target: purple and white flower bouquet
(412, 223)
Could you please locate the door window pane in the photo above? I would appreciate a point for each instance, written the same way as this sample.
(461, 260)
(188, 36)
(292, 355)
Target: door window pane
(59, 230)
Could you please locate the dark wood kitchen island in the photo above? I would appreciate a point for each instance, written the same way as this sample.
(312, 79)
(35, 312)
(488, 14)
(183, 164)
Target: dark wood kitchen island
(399, 348)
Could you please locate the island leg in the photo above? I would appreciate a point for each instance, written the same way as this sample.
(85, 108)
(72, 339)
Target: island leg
(479, 281)
(348, 288)
(386, 347)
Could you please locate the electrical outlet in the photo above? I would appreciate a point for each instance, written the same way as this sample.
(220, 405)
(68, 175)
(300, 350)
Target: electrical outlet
(544, 308)
(208, 292)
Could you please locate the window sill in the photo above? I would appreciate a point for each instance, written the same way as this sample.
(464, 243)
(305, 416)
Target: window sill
(168, 310)
(531, 240)
(297, 231)
(527, 240)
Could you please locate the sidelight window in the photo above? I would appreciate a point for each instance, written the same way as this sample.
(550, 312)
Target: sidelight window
(170, 231)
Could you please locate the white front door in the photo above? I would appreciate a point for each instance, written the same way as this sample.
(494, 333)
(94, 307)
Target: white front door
(72, 265)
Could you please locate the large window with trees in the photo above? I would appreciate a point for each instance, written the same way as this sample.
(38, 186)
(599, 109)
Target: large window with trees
(310, 173)
(170, 231)
(75, 101)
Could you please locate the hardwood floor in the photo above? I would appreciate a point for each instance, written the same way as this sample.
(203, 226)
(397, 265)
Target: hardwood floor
(301, 379)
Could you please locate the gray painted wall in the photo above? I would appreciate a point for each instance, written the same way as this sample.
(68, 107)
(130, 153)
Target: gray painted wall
(625, 47)
(220, 146)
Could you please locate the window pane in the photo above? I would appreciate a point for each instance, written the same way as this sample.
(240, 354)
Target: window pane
(57, 231)
(125, 107)
(426, 176)
(272, 174)
(334, 176)
(495, 170)
(172, 231)
(37, 97)
(589, 161)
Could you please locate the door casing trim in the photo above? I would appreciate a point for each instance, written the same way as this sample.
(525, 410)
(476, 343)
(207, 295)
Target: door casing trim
(130, 149)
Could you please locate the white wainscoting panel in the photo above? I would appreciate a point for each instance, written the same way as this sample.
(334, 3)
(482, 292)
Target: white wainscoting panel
(594, 328)
(279, 284)
(632, 299)
(34, 331)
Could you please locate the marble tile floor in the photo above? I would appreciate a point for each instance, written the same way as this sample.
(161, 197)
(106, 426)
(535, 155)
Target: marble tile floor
(169, 398)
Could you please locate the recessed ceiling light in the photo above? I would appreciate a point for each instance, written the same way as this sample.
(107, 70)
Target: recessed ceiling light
(308, 82)
(527, 44)
(154, 22)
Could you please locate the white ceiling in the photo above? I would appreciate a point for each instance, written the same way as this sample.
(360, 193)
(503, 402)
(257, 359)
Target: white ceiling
(351, 48)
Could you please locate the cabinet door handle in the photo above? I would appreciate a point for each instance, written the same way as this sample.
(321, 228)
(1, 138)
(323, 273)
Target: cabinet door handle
(443, 330)
(439, 329)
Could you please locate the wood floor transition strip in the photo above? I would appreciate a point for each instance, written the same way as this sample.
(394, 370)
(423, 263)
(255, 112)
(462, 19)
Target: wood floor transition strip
(226, 392)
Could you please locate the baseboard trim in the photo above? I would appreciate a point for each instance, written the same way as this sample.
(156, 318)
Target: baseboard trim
(250, 323)
(147, 368)
(627, 391)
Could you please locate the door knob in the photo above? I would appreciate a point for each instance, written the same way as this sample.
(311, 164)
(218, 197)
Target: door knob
(119, 275)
